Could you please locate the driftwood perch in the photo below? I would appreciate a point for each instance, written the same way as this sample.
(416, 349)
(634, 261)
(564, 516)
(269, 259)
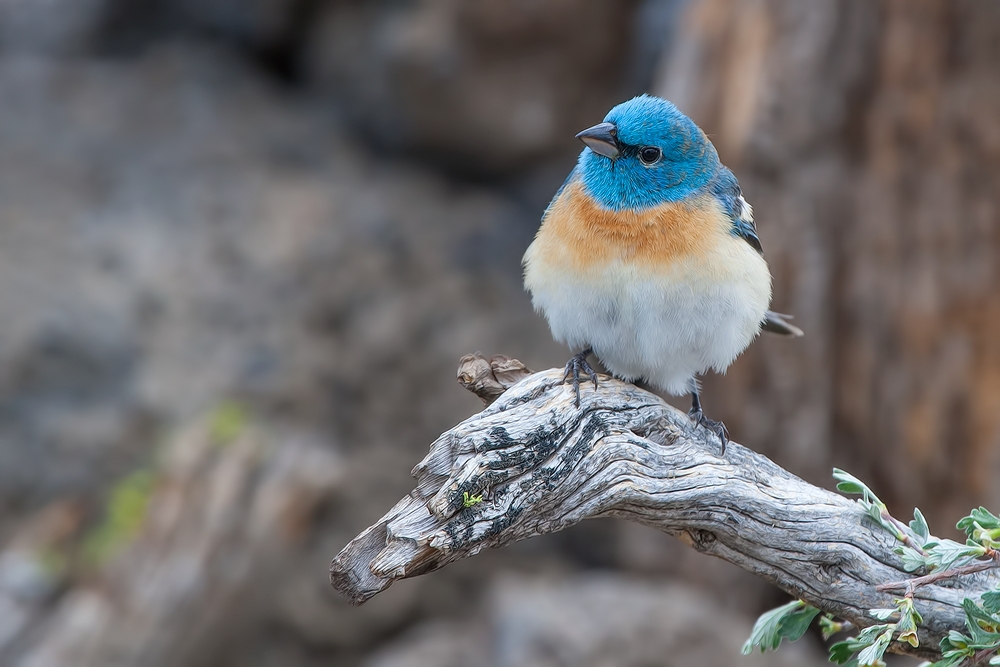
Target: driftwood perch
(540, 465)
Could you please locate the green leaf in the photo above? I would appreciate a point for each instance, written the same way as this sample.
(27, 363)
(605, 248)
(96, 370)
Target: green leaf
(919, 525)
(765, 631)
(882, 614)
(871, 504)
(470, 501)
(829, 626)
(986, 520)
(872, 654)
(913, 560)
(870, 645)
(794, 625)
(909, 635)
(841, 652)
(991, 601)
(982, 626)
(848, 483)
(875, 512)
(955, 639)
(950, 659)
(788, 621)
(869, 634)
(850, 487)
(945, 554)
(909, 619)
(987, 535)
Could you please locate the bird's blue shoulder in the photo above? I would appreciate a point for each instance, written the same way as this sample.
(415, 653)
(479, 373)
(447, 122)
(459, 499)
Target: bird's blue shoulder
(726, 189)
(569, 179)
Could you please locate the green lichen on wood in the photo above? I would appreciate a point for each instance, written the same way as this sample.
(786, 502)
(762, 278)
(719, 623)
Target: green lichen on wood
(124, 514)
(227, 422)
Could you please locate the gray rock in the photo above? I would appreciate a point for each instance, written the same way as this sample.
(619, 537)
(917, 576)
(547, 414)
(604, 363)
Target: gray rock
(267, 28)
(590, 620)
(53, 27)
(176, 231)
(438, 642)
(225, 513)
(611, 620)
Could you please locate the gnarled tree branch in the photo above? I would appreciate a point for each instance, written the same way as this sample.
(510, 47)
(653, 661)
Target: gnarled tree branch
(541, 464)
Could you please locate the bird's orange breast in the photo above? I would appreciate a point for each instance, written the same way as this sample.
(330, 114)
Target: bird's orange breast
(580, 235)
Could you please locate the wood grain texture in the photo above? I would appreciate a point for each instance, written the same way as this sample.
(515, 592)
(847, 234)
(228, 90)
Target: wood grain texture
(542, 465)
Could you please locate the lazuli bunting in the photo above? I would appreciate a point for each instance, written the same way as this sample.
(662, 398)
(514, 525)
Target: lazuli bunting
(648, 256)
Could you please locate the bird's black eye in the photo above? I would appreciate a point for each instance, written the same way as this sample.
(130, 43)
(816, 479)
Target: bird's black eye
(649, 154)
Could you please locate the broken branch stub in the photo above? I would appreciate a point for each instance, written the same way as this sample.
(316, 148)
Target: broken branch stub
(541, 464)
(488, 378)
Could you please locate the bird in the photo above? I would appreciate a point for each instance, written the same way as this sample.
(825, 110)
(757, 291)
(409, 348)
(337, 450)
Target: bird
(648, 257)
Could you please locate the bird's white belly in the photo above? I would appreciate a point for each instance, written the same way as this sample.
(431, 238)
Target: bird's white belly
(663, 328)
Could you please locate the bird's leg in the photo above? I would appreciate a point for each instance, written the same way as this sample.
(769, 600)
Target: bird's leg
(699, 418)
(577, 363)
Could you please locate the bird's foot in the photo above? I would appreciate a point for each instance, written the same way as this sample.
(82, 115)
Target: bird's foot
(576, 366)
(718, 428)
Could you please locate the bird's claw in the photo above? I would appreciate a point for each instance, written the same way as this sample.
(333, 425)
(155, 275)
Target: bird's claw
(576, 364)
(716, 427)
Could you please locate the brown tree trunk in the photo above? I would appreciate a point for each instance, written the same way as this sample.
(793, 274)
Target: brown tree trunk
(867, 137)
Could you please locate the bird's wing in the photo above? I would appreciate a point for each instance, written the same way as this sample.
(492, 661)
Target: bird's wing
(727, 189)
(778, 323)
(745, 226)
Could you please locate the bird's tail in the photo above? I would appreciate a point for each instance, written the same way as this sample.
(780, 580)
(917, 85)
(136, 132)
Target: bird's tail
(779, 324)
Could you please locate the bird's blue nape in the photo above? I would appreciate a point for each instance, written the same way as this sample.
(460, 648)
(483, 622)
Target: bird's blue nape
(687, 165)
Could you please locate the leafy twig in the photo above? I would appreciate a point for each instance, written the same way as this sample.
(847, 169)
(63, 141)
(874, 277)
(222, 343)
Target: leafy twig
(788, 621)
(913, 536)
(943, 559)
(912, 584)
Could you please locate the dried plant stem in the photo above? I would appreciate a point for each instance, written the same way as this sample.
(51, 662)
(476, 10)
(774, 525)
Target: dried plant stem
(911, 585)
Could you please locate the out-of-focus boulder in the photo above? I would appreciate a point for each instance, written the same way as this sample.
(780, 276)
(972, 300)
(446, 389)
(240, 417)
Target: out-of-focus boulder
(175, 231)
(591, 620)
(269, 28)
(613, 620)
(482, 86)
(53, 27)
(33, 567)
(442, 643)
(198, 552)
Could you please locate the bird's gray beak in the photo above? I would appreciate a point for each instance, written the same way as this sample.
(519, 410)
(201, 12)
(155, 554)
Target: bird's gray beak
(602, 139)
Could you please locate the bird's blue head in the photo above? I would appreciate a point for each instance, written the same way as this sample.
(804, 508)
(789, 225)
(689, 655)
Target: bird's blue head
(644, 154)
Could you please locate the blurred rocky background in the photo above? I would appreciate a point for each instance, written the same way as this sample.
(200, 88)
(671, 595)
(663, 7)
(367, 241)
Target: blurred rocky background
(243, 244)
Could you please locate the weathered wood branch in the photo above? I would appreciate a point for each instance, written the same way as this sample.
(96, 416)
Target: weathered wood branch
(541, 465)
